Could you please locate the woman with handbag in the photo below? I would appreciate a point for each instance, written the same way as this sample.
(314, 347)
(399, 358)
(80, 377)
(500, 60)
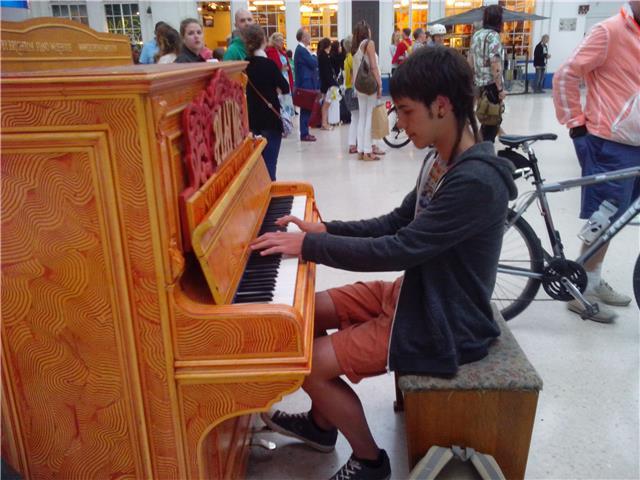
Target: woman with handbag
(327, 78)
(368, 85)
(265, 81)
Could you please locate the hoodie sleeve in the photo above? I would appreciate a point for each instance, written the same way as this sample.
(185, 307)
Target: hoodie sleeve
(377, 227)
(463, 207)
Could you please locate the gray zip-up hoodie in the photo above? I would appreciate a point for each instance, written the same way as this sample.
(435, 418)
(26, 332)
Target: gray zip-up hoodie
(449, 253)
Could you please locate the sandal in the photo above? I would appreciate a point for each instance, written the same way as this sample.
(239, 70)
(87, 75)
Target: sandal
(353, 149)
(377, 151)
(308, 138)
(368, 157)
(326, 128)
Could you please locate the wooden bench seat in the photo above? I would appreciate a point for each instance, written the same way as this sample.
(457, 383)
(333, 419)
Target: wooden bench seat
(489, 405)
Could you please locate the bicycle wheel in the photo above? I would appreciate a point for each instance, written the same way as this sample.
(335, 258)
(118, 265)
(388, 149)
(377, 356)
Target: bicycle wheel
(397, 137)
(636, 281)
(521, 249)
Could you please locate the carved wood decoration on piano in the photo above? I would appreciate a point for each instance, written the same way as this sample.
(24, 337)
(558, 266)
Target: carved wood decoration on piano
(168, 367)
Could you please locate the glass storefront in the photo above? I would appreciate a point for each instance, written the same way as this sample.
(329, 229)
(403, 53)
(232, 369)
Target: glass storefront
(459, 36)
(411, 14)
(216, 23)
(270, 14)
(320, 18)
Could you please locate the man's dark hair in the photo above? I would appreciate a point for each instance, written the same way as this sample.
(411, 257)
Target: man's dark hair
(430, 72)
(407, 32)
(417, 32)
(254, 37)
(299, 34)
(492, 18)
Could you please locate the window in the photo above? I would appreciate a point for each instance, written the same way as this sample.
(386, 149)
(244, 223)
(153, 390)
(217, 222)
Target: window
(411, 15)
(269, 14)
(516, 36)
(320, 18)
(73, 11)
(124, 18)
(460, 35)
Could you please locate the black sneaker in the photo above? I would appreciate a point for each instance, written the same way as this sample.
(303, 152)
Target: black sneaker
(300, 426)
(356, 470)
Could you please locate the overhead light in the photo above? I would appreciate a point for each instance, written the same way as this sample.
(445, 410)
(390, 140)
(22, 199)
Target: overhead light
(268, 2)
(420, 6)
(199, 9)
(333, 7)
(404, 3)
(323, 2)
(252, 8)
(283, 8)
(396, 5)
(305, 9)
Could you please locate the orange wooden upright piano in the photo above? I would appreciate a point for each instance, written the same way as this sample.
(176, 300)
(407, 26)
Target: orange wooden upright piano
(129, 197)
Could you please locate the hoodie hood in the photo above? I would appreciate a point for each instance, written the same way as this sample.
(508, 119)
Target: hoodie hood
(485, 152)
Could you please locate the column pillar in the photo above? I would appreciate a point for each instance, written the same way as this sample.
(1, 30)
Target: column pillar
(292, 22)
(344, 19)
(436, 10)
(386, 25)
(97, 17)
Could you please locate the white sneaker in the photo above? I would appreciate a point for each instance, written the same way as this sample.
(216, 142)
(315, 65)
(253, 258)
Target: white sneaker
(609, 296)
(605, 315)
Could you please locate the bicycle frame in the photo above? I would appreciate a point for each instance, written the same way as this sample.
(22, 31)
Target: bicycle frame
(541, 190)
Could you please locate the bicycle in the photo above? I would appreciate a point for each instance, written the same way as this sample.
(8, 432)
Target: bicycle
(524, 264)
(397, 137)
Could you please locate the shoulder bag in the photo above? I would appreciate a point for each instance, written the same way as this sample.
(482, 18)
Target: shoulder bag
(365, 80)
(287, 123)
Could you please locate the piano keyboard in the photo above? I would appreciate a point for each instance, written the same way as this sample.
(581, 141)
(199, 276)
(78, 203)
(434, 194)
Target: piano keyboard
(272, 278)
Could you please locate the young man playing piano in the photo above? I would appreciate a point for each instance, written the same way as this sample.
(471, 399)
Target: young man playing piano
(446, 236)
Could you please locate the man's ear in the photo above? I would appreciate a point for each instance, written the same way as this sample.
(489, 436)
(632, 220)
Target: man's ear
(442, 106)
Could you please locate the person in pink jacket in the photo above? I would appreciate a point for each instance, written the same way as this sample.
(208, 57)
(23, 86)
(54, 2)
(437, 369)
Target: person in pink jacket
(606, 131)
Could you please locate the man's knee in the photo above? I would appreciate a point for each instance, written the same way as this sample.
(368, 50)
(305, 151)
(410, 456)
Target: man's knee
(325, 364)
(325, 314)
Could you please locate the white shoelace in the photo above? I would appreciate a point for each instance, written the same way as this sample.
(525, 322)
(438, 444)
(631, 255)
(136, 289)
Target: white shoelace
(349, 469)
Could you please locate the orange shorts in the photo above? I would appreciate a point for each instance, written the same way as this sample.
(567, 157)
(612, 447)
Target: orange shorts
(365, 311)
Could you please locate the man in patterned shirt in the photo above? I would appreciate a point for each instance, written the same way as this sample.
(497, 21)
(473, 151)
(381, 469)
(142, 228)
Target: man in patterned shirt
(485, 58)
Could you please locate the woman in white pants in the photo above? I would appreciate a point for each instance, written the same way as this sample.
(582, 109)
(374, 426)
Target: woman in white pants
(363, 45)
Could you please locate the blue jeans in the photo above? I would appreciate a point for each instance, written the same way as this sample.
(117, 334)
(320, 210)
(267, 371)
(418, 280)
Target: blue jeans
(271, 151)
(598, 155)
(305, 115)
(538, 83)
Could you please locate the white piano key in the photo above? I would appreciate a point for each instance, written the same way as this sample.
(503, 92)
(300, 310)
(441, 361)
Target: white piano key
(285, 287)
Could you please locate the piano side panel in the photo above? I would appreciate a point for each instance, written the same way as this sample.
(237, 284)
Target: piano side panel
(63, 332)
(123, 117)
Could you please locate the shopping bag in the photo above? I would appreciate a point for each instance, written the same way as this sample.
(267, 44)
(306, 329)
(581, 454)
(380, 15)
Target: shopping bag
(287, 114)
(305, 99)
(315, 121)
(379, 122)
(334, 113)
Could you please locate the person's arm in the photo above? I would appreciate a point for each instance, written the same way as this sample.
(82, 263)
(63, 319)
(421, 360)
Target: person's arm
(281, 83)
(589, 55)
(146, 56)
(371, 52)
(496, 63)
(465, 207)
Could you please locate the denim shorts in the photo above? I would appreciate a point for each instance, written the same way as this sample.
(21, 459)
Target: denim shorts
(597, 155)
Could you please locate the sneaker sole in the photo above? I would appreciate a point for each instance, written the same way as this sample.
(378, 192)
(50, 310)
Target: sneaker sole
(615, 304)
(277, 428)
(594, 318)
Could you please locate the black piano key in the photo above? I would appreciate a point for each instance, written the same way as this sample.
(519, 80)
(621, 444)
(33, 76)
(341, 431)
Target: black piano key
(259, 278)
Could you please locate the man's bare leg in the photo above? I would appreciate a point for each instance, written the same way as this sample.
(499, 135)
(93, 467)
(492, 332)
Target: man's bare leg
(334, 403)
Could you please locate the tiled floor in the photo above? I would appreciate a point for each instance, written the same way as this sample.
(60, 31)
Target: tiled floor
(587, 420)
